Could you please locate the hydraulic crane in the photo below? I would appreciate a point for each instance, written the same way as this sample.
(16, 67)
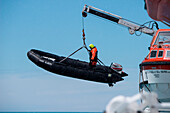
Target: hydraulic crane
(132, 26)
(155, 68)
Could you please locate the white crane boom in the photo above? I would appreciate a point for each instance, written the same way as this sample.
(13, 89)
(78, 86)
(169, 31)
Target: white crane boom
(118, 19)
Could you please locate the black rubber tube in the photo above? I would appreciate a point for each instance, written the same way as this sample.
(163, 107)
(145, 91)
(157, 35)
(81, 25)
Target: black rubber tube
(73, 68)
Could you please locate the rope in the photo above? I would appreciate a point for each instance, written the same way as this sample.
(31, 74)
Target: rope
(84, 38)
(71, 54)
(83, 22)
(84, 44)
(99, 61)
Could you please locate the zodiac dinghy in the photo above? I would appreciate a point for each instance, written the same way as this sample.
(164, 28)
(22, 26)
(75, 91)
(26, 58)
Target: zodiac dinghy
(74, 68)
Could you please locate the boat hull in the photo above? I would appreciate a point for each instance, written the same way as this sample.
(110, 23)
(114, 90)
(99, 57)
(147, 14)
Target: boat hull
(73, 68)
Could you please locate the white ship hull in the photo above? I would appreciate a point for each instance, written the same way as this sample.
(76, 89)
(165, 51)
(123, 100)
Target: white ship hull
(157, 81)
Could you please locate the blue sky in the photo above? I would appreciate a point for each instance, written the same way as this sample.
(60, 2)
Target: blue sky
(55, 26)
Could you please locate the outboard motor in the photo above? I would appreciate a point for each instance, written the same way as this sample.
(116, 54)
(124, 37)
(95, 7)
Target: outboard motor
(116, 66)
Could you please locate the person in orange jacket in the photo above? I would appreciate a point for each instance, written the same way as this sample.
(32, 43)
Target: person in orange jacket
(93, 55)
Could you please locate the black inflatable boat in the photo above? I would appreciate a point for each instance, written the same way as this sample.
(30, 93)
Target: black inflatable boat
(74, 68)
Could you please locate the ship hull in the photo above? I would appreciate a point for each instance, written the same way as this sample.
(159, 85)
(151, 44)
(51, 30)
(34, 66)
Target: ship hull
(155, 78)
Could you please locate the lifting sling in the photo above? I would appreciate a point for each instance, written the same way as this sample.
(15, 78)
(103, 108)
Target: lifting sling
(84, 46)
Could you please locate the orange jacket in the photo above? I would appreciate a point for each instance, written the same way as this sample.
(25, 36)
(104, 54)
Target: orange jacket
(93, 54)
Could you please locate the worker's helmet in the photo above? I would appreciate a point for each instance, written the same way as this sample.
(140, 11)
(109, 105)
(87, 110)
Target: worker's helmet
(91, 46)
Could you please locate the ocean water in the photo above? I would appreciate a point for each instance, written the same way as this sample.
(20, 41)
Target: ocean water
(51, 112)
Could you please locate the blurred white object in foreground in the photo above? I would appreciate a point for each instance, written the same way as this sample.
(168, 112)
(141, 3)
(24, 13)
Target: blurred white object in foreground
(149, 104)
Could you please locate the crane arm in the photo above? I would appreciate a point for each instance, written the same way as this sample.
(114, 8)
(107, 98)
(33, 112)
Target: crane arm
(117, 19)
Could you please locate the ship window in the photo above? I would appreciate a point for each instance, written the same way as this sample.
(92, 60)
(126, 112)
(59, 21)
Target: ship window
(160, 54)
(153, 54)
(168, 54)
(163, 37)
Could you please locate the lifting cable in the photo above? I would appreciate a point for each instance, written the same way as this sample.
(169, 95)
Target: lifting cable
(84, 46)
(98, 60)
(84, 38)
